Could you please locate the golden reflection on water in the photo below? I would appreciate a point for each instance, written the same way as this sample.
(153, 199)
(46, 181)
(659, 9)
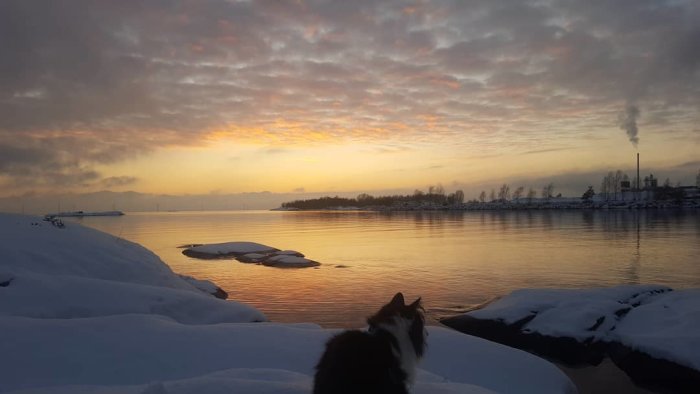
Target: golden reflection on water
(453, 260)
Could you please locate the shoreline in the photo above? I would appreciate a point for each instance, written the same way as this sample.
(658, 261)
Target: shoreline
(503, 207)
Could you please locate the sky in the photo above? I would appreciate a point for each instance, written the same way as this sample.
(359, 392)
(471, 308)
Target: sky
(229, 97)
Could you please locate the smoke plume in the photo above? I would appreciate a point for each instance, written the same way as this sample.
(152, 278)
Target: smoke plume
(628, 122)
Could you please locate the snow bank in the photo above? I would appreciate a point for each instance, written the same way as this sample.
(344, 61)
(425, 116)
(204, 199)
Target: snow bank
(76, 272)
(205, 286)
(70, 297)
(30, 245)
(247, 381)
(130, 350)
(667, 327)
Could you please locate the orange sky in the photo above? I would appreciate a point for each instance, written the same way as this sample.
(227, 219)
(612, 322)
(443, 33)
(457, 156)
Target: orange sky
(330, 96)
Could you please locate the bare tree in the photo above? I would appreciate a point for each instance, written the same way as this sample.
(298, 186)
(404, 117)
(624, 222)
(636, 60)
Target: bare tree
(459, 197)
(482, 196)
(617, 181)
(439, 190)
(548, 191)
(697, 180)
(504, 192)
(607, 187)
(604, 190)
(493, 195)
(517, 193)
(531, 193)
(364, 197)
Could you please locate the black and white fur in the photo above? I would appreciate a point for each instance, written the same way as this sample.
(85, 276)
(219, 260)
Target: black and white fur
(382, 359)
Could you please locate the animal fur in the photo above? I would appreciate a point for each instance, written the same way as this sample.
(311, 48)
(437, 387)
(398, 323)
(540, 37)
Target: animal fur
(382, 359)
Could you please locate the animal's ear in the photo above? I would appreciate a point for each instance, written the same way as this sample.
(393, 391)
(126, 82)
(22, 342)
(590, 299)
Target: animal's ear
(416, 303)
(398, 300)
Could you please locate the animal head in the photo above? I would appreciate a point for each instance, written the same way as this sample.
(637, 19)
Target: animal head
(396, 313)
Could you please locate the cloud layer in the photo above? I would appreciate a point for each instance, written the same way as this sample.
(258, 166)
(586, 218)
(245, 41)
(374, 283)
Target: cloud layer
(89, 83)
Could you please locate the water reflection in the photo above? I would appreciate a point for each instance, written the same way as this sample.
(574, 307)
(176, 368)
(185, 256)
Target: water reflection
(452, 259)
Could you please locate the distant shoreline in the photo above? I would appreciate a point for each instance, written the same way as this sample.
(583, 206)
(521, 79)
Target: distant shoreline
(552, 205)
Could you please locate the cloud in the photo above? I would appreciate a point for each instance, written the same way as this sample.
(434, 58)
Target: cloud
(81, 81)
(116, 181)
(537, 151)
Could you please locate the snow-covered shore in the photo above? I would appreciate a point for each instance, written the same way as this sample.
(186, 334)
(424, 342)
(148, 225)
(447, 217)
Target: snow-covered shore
(649, 331)
(85, 312)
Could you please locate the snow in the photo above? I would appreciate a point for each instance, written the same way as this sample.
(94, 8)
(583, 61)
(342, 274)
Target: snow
(70, 297)
(288, 261)
(232, 248)
(30, 245)
(85, 312)
(654, 320)
(246, 381)
(666, 327)
(251, 257)
(205, 286)
(77, 272)
(290, 253)
(251, 252)
(576, 313)
(132, 350)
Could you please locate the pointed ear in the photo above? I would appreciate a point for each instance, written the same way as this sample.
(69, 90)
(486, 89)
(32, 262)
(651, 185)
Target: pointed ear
(398, 300)
(416, 303)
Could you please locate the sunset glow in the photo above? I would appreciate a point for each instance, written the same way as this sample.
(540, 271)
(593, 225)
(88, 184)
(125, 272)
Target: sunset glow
(330, 97)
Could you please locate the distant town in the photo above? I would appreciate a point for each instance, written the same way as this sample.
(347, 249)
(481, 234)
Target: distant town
(617, 191)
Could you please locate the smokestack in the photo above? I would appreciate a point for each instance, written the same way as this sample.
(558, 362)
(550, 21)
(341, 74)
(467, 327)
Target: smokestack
(637, 170)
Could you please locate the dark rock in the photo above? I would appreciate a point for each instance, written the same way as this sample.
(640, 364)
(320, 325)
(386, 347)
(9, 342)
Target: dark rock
(252, 257)
(652, 372)
(185, 246)
(220, 293)
(567, 350)
(208, 256)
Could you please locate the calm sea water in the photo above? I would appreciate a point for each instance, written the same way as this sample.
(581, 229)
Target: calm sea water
(453, 260)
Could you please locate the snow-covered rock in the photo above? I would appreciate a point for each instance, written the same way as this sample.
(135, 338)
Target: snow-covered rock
(29, 245)
(227, 249)
(251, 258)
(572, 325)
(70, 297)
(658, 342)
(288, 261)
(650, 332)
(98, 275)
(289, 253)
(206, 286)
(251, 252)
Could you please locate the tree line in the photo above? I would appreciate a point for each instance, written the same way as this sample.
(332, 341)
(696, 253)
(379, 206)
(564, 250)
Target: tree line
(611, 188)
(435, 195)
